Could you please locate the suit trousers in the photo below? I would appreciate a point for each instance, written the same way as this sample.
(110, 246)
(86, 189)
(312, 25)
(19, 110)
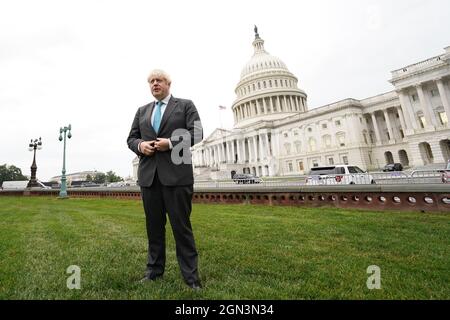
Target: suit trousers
(176, 201)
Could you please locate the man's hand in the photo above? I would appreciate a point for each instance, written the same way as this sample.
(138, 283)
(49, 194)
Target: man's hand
(162, 144)
(148, 148)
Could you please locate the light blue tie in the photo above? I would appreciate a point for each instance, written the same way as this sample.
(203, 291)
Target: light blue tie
(157, 118)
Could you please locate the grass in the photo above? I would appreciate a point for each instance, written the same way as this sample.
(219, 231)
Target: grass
(246, 252)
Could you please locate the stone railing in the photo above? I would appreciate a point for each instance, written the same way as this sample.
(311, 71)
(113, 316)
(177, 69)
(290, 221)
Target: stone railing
(420, 197)
(417, 66)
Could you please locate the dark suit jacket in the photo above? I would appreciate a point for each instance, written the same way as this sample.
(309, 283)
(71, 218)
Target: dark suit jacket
(179, 114)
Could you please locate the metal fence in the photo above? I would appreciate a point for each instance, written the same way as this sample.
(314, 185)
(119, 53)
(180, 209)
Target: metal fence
(378, 178)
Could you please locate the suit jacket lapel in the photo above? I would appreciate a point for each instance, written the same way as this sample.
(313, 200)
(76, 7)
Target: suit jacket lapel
(148, 116)
(169, 109)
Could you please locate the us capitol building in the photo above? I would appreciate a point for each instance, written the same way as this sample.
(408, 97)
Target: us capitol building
(275, 134)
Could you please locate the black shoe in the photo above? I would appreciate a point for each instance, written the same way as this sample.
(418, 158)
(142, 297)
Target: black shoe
(150, 278)
(195, 285)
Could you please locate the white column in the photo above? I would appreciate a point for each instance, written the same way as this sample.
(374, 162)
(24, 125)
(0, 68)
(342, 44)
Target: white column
(424, 105)
(388, 124)
(255, 146)
(375, 126)
(271, 104)
(444, 97)
(261, 147)
(265, 105)
(233, 152)
(224, 151)
(410, 117)
(402, 119)
(211, 156)
(285, 104)
(238, 146)
(279, 103)
(247, 151)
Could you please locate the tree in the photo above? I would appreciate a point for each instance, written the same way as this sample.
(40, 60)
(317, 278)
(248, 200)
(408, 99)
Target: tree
(112, 177)
(89, 178)
(11, 173)
(100, 178)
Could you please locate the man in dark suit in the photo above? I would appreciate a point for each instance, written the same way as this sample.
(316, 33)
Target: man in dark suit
(161, 135)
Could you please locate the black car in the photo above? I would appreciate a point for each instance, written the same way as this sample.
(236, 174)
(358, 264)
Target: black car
(246, 178)
(393, 167)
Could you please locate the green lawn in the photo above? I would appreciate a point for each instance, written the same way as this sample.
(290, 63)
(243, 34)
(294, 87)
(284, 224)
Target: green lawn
(246, 252)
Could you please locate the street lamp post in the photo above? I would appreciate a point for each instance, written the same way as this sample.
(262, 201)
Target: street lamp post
(36, 144)
(63, 191)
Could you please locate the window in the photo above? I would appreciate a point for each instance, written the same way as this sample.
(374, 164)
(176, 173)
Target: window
(276, 83)
(259, 85)
(423, 122)
(341, 139)
(414, 97)
(290, 168)
(345, 160)
(286, 135)
(295, 133)
(324, 126)
(254, 88)
(315, 163)
(287, 147)
(300, 166)
(365, 137)
(270, 83)
(388, 136)
(330, 161)
(443, 118)
(337, 123)
(298, 146)
(264, 83)
(402, 133)
(309, 129)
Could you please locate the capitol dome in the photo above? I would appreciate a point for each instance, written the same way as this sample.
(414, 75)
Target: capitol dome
(267, 90)
(262, 61)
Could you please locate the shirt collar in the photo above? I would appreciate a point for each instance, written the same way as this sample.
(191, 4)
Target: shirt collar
(165, 100)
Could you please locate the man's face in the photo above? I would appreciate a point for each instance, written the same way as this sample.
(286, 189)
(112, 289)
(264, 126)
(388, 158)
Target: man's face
(159, 87)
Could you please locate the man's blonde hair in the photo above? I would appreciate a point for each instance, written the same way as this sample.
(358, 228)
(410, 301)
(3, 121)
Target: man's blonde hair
(161, 74)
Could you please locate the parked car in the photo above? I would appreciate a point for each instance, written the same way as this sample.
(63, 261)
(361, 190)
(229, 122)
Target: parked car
(338, 174)
(244, 178)
(393, 167)
(445, 174)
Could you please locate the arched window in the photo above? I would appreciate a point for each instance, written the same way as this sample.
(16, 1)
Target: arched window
(287, 148)
(326, 140)
(298, 146)
(340, 137)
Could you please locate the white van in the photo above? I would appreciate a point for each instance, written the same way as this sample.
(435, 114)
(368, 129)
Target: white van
(19, 185)
(14, 185)
(338, 174)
